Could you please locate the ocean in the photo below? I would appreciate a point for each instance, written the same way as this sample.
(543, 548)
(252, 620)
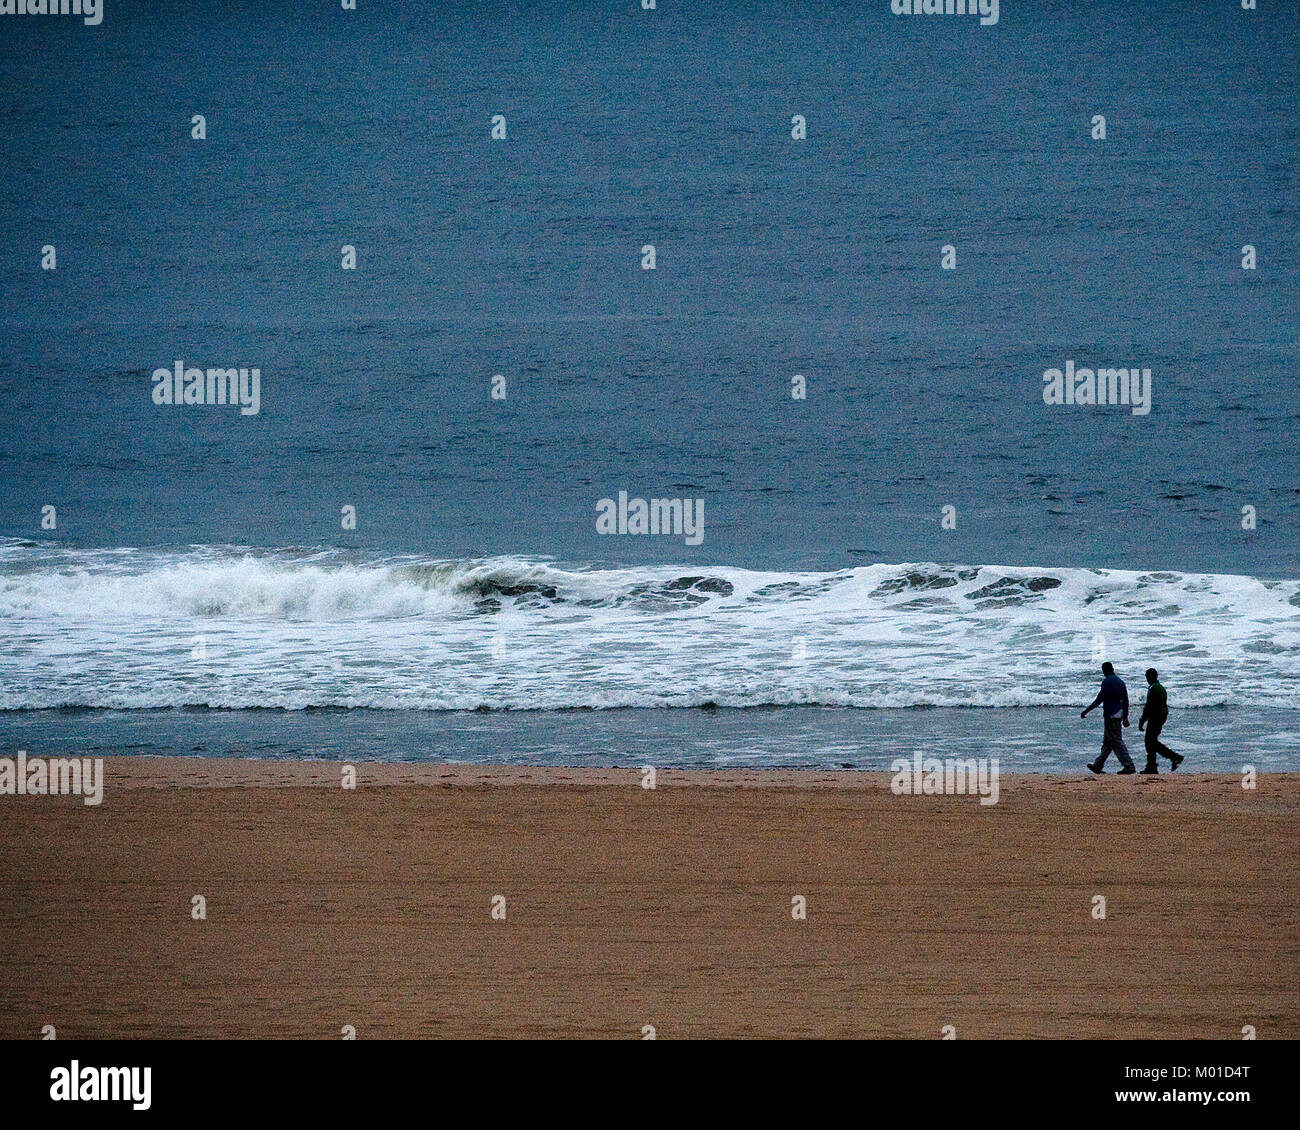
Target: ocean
(903, 546)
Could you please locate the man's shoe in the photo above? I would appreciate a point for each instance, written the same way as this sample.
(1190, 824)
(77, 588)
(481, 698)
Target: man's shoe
(1126, 771)
(1150, 770)
(1094, 767)
(1175, 761)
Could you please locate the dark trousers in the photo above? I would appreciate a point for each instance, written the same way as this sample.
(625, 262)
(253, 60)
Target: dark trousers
(1155, 745)
(1113, 742)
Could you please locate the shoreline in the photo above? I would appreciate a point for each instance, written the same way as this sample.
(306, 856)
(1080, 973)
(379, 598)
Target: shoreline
(1024, 740)
(136, 771)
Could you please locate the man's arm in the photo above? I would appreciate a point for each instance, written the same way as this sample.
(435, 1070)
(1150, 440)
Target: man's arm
(1146, 706)
(1095, 703)
(1123, 690)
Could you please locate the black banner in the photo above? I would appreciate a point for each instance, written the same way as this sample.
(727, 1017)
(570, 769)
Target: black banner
(320, 1080)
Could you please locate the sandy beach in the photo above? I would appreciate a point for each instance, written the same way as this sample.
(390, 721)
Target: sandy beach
(627, 907)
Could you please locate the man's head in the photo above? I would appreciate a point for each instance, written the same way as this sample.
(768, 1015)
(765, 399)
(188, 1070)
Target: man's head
(1108, 668)
(1152, 675)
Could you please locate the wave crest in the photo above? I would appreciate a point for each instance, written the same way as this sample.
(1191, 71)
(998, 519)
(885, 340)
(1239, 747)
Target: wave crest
(233, 627)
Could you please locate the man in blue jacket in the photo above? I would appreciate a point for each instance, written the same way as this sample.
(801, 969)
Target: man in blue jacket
(1113, 700)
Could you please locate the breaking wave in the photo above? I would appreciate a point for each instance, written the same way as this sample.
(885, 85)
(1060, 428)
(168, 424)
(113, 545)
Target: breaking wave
(227, 627)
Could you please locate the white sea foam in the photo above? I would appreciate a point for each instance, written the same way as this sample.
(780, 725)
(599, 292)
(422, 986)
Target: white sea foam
(226, 627)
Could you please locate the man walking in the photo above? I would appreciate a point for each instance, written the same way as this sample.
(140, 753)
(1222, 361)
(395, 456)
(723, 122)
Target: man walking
(1113, 700)
(1155, 712)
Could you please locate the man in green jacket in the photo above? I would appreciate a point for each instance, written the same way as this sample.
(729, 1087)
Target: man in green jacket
(1155, 712)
